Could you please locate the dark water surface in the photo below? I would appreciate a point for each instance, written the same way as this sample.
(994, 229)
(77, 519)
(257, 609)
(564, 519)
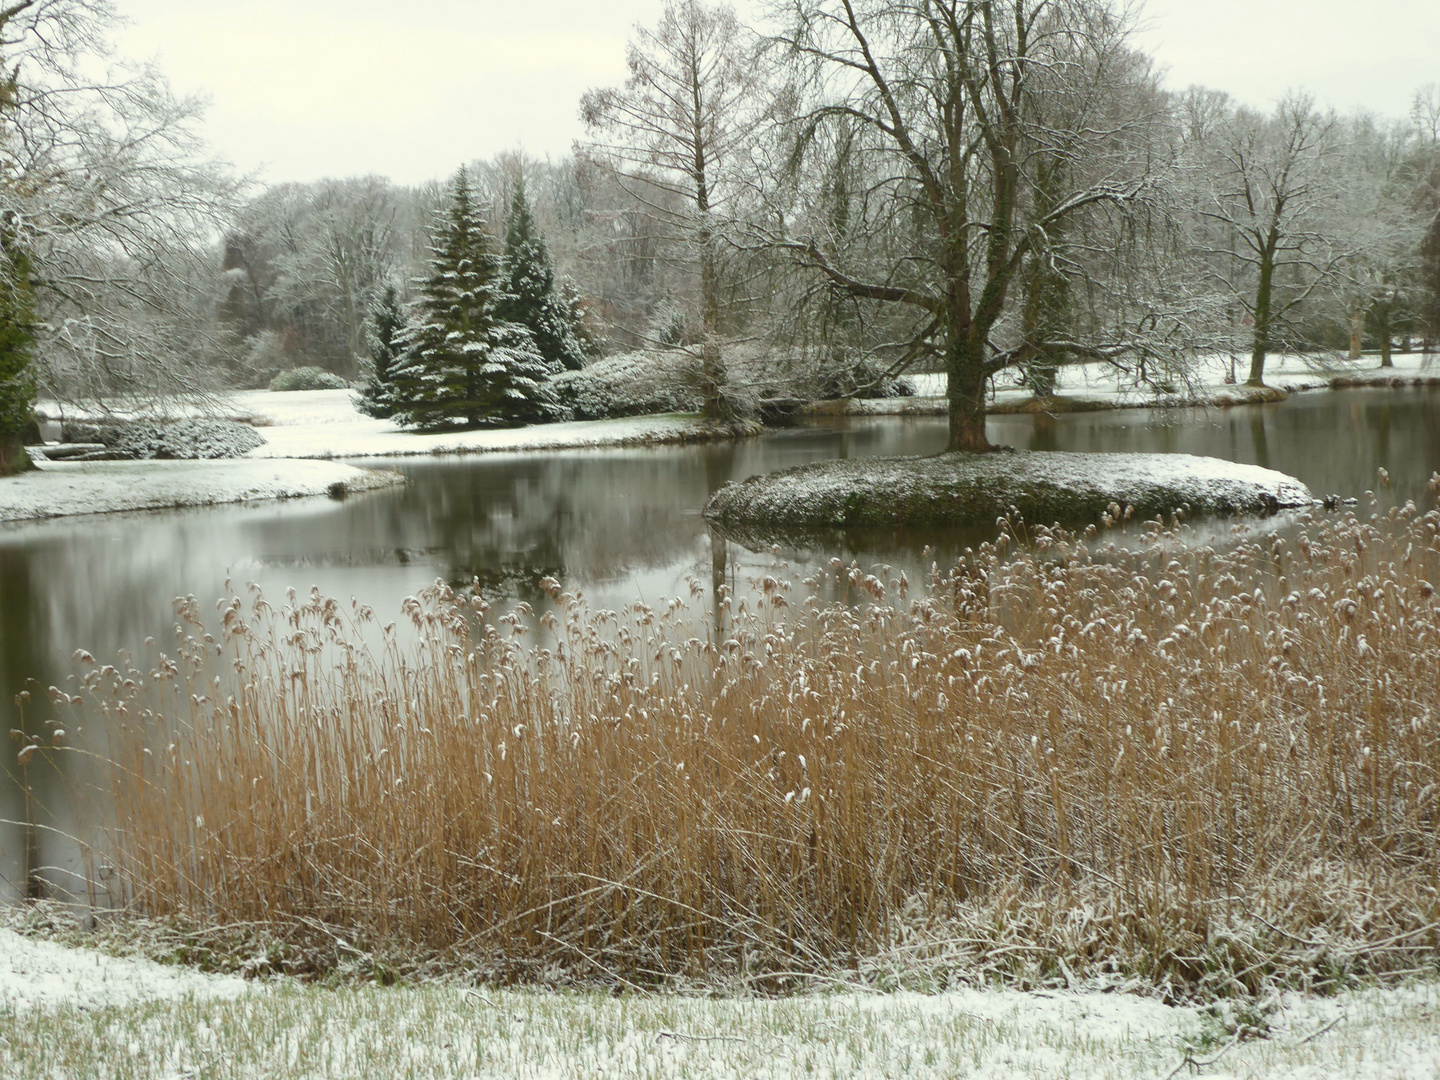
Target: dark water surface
(620, 524)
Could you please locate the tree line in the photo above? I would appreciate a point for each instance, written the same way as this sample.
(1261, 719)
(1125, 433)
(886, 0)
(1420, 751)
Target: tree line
(988, 188)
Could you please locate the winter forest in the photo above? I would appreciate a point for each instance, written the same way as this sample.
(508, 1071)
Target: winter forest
(907, 546)
(857, 192)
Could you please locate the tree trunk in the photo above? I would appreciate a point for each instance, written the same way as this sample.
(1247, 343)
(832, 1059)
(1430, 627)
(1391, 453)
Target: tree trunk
(1262, 320)
(13, 456)
(712, 367)
(1382, 324)
(1357, 328)
(965, 390)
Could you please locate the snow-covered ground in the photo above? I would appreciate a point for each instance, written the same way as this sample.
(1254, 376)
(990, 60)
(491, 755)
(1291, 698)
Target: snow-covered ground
(67, 1013)
(944, 491)
(1101, 382)
(58, 489)
(39, 974)
(324, 423)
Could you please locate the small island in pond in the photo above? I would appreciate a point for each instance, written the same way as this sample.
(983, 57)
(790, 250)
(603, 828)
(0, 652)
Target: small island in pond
(957, 489)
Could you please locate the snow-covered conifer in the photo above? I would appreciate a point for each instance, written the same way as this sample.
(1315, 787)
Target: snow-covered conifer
(387, 322)
(461, 362)
(531, 298)
(17, 340)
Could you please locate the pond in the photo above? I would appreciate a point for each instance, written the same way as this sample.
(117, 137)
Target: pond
(621, 525)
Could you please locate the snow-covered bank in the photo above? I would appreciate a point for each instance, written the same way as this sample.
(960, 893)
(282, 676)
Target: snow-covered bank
(76, 1013)
(325, 424)
(1097, 386)
(58, 489)
(975, 489)
(36, 973)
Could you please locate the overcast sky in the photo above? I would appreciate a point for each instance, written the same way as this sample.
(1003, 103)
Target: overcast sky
(303, 89)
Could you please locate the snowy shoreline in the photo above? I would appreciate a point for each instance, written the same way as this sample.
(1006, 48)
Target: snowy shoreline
(304, 430)
(1096, 387)
(65, 489)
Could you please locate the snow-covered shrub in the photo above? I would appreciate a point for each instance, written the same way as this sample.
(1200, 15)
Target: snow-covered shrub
(671, 325)
(307, 378)
(668, 380)
(633, 384)
(180, 440)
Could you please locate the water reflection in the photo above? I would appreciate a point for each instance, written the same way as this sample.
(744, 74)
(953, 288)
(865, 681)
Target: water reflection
(621, 525)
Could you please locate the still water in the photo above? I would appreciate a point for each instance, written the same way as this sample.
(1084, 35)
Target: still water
(621, 525)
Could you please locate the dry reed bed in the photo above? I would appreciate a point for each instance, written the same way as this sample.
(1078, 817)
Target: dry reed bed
(1208, 769)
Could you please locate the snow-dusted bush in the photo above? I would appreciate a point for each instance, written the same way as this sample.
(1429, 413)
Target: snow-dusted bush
(307, 378)
(633, 384)
(180, 440)
(668, 380)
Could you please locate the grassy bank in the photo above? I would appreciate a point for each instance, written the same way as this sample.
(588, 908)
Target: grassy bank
(1207, 771)
(444, 1033)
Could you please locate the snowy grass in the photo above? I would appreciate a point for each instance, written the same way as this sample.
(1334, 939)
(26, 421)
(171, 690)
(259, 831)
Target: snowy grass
(447, 1032)
(36, 973)
(1205, 771)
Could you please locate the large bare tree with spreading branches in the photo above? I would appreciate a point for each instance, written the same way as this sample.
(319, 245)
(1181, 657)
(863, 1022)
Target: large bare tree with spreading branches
(992, 127)
(106, 188)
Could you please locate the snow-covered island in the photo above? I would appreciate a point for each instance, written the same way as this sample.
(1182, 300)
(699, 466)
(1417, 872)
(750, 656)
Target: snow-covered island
(974, 489)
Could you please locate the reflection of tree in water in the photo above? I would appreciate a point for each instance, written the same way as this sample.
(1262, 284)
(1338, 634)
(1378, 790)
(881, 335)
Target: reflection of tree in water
(581, 518)
(1259, 439)
(30, 854)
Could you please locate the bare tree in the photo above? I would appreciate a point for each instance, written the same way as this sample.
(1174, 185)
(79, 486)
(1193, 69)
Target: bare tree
(1383, 225)
(1272, 214)
(105, 185)
(674, 133)
(994, 128)
(1425, 114)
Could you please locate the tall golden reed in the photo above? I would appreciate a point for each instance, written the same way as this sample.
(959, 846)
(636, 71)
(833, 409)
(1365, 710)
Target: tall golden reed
(1171, 762)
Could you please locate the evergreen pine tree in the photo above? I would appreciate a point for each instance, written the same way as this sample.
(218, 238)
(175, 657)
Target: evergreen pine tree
(530, 295)
(387, 322)
(460, 361)
(17, 341)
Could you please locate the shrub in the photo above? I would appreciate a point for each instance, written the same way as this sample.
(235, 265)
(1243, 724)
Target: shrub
(194, 438)
(632, 384)
(307, 378)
